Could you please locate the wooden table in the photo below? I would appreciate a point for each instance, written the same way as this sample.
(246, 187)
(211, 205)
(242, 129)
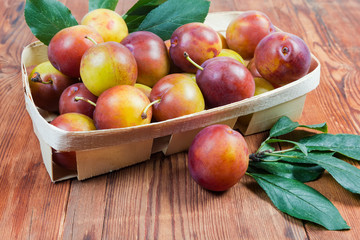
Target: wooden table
(158, 199)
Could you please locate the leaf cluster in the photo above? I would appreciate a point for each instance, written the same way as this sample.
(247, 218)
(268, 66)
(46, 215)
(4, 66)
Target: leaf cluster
(47, 17)
(282, 173)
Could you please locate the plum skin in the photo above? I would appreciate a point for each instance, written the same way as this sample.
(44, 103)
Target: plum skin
(145, 89)
(218, 157)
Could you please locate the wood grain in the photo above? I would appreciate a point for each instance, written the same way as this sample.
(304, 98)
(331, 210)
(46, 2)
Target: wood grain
(158, 199)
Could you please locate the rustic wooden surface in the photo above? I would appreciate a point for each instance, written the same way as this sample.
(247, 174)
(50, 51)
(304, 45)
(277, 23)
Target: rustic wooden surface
(158, 199)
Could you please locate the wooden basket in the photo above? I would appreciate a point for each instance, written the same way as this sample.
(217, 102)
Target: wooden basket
(102, 151)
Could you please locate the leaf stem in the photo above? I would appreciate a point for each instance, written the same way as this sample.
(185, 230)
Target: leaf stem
(262, 145)
(259, 156)
(278, 155)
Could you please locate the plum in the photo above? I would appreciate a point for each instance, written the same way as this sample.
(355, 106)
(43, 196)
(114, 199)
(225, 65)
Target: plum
(200, 41)
(70, 122)
(121, 106)
(224, 80)
(67, 47)
(282, 58)
(178, 94)
(77, 98)
(218, 157)
(106, 65)
(110, 25)
(151, 56)
(245, 32)
(47, 84)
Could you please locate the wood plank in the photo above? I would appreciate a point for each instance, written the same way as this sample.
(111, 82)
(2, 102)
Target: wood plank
(85, 213)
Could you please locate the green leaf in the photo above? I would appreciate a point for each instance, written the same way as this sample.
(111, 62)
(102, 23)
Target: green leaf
(302, 173)
(285, 125)
(300, 201)
(108, 4)
(170, 15)
(282, 126)
(302, 147)
(347, 175)
(137, 13)
(345, 144)
(46, 17)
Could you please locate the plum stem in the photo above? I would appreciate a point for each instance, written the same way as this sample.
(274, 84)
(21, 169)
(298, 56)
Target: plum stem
(144, 113)
(187, 56)
(91, 39)
(37, 78)
(263, 143)
(78, 98)
(257, 157)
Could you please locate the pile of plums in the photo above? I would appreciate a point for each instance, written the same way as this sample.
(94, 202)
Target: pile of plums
(99, 76)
